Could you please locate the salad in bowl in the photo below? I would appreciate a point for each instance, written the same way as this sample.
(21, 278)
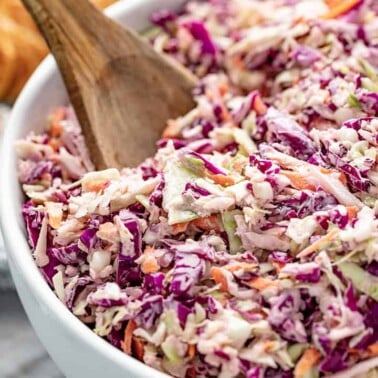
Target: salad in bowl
(248, 245)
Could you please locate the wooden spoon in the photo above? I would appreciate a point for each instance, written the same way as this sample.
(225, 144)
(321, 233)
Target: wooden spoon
(123, 92)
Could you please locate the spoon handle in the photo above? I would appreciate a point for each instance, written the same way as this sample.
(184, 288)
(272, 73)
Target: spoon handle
(71, 29)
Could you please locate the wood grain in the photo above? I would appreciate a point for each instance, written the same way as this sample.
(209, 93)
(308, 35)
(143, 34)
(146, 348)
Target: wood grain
(123, 92)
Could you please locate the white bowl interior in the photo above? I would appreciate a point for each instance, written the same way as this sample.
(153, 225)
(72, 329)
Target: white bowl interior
(50, 318)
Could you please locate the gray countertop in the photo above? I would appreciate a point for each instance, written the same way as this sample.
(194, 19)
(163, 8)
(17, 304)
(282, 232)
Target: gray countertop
(5, 280)
(21, 353)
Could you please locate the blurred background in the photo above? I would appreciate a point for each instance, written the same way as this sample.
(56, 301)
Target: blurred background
(21, 50)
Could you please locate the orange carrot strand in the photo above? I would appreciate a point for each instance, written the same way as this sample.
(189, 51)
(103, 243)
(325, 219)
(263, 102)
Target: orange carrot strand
(309, 358)
(339, 8)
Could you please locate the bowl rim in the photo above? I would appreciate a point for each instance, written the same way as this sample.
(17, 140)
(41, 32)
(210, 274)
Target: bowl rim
(18, 250)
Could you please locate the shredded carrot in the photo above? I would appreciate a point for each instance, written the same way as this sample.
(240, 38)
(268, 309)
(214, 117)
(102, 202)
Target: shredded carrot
(96, 185)
(239, 62)
(326, 170)
(270, 345)
(338, 8)
(309, 358)
(128, 337)
(108, 229)
(219, 278)
(278, 265)
(341, 175)
(298, 181)
(210, 94)
(149, 264)
(299, 20)
(352, 212)
(259, 106)
(235, 266)
(373, 350)
(148, 250)
(55, 214)
(191, 351)
(138, 348)
(222, 179)
(343, 178)
(54, 144)
(171, 130)
(238, 166)
(319, 243)
(226, 115)
(179, 227)
(56, 130)
(332, 3)
(223, 88)
(354, 351)
(55, 127)
(260, 283)
(207, 223)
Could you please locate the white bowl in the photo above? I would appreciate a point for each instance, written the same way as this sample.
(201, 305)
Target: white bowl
(75, 348)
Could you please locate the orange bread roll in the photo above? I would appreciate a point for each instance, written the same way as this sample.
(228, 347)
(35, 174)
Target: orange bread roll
(21, 47)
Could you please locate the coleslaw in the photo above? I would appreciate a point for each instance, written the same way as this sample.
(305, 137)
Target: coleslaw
(248, 245)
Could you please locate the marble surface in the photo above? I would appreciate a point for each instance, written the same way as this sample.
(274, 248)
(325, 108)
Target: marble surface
(5, 277)
(21, 353)
(5, 280)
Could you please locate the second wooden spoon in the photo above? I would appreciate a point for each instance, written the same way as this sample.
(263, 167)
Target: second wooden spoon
(123, 92)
